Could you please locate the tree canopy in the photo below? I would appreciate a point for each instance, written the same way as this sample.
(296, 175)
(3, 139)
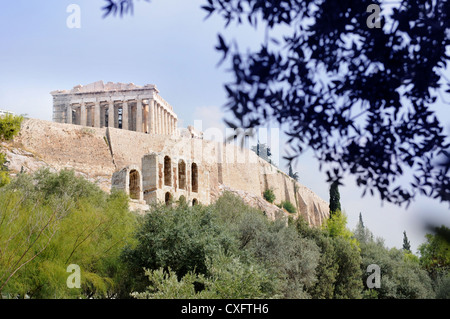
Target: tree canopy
(361, 97)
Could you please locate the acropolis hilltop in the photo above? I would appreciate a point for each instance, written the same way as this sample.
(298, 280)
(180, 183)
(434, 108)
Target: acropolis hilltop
(126, 137)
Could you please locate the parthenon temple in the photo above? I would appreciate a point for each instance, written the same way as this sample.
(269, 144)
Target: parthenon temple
(118, 105)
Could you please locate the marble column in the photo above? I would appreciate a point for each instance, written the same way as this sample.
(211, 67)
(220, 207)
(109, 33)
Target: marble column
(163, 126)
(161, 116)
(145, 116)
(151, 118)
(83, 114)
(158, 119)
(165, 121)
(111, 113)
(138, 115)
(168, 123)
(125, 115)
(97, 115)
(69, 114)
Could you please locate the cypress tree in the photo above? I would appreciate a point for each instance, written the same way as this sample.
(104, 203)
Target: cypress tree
(406, 244)
(335, 197)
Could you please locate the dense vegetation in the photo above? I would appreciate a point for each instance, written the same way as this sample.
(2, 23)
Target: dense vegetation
(51, 220)
(226, 250)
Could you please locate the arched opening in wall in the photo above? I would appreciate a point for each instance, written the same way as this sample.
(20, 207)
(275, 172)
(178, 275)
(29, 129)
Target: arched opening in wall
(168, 198)
(134, 185)
(182, 174)
(194, 202)
(167, 171)
(194, 177)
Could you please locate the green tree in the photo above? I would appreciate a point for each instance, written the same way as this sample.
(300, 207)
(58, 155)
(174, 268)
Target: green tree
(51, 220)
(327, 268)
(347, 256)
(435, 252)
(406, 243)
(291, 259)
(338, 271)
(180, 238)
(348, 283)
(435, 258)
(335, 197)
(226, 250)
(336, 226)
(362, 233)
(401, 277)
(9, 127)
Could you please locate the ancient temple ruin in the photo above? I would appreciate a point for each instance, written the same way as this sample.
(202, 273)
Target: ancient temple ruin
(116, 105)
(126, 137)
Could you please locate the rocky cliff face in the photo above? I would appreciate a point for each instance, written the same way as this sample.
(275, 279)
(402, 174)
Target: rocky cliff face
(96, 153)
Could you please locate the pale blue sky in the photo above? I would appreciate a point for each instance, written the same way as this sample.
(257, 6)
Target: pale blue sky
(167, 43)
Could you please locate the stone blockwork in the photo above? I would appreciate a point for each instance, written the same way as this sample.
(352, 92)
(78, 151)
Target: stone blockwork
(59, 146)
(160, 167)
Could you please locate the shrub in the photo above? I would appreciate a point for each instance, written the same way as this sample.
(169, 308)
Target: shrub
(289, 207)
(4, 174)
(229, 278)
(182, 201)
(225, 250)
(9, 127)
(269, 195)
